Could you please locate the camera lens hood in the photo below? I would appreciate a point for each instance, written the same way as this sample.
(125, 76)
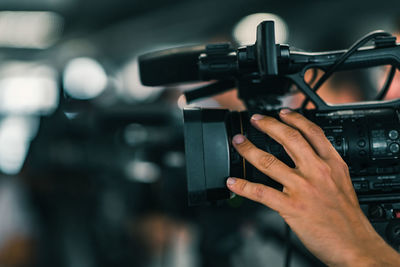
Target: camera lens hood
(207, 154)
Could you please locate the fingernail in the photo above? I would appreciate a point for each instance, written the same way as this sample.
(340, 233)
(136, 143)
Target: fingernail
(285, 111)
(238, 139)
(257, 117)
(230, 181)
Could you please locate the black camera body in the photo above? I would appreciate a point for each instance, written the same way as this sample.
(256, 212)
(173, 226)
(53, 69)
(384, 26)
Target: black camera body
(366, 134)
(368, 140)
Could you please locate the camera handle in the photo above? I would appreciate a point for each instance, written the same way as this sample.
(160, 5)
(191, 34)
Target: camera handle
(385, 52)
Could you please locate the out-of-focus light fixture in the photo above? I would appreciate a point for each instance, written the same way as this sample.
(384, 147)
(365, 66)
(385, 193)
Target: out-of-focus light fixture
(245, 30)
(29, 29)
(28, 95)
(143, 171)
(16, 133)
(27, 88)
(174, 159)
(84, 78)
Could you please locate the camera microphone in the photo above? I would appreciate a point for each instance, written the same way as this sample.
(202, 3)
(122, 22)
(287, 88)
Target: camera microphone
(175, 65)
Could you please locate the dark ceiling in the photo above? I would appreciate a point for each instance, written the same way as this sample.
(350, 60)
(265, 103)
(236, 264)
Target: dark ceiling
(120, 27)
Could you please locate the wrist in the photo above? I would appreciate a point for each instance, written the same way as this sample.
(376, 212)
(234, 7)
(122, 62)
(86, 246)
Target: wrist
(373, 254)
(361, 259)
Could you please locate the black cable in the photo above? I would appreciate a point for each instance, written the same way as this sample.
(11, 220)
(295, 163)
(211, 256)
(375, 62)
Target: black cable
(382, 93)
(361, 42)
(288, 255)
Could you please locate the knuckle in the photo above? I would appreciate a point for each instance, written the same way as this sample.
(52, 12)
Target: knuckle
(344, 168)
(340, 164)
(315, 130)
(266, 161)
(343, 165)
(330, 183)
(293, 135)
(324, 169)
(297, 206)
(243, 186)
(297, 116)
(259, 192)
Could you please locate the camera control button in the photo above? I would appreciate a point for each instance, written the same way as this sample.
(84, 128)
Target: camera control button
(393, 134)
(379, 185)
(361, 143)
(360, 186)
(394, 148)
(362, 153)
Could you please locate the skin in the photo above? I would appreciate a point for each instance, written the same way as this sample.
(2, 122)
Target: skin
(318, 201)
(18, 251)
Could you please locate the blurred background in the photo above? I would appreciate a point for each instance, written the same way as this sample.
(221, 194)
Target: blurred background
(92, 162)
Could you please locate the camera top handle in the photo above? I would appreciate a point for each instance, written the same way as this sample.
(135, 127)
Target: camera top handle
(264, 68)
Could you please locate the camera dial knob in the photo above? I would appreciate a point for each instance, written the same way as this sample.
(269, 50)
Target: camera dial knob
(393, 233)
(393, 134)
(394, 148)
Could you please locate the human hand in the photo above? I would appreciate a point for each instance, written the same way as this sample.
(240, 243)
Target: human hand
(318, 200)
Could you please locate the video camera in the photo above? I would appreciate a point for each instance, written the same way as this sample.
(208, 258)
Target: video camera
(366, 134)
